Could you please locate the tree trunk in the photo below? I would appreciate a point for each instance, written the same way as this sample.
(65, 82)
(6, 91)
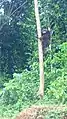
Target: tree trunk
(41, 66)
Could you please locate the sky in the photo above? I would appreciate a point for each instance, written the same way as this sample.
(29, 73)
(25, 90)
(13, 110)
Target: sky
(2, 11)
(1, 2)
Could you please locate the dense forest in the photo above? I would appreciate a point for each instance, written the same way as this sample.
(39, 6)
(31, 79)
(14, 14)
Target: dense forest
(19, 55)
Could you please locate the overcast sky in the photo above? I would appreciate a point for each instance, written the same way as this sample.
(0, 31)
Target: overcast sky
(2, 11)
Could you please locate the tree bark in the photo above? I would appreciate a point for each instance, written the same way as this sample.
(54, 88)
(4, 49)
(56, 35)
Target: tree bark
(40, 49)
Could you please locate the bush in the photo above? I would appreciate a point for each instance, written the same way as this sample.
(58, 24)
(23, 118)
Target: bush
(22, 90)
(57, 88)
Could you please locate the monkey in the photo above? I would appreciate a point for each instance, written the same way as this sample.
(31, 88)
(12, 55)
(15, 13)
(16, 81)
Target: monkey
(45, 37)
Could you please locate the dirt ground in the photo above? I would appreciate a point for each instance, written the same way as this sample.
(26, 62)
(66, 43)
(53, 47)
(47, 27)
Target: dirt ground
(44, 112)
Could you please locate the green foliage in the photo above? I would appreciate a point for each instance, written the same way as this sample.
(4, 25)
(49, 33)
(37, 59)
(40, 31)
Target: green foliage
(57, 88)
(22, 90)
(19, 53)
(18, 28)
(55, 114)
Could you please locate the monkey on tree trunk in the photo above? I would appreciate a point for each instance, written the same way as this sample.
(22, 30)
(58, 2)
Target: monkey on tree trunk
(45, 38)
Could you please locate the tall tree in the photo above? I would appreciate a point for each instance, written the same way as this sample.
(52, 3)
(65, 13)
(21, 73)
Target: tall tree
(41, 88)
(14, 30)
